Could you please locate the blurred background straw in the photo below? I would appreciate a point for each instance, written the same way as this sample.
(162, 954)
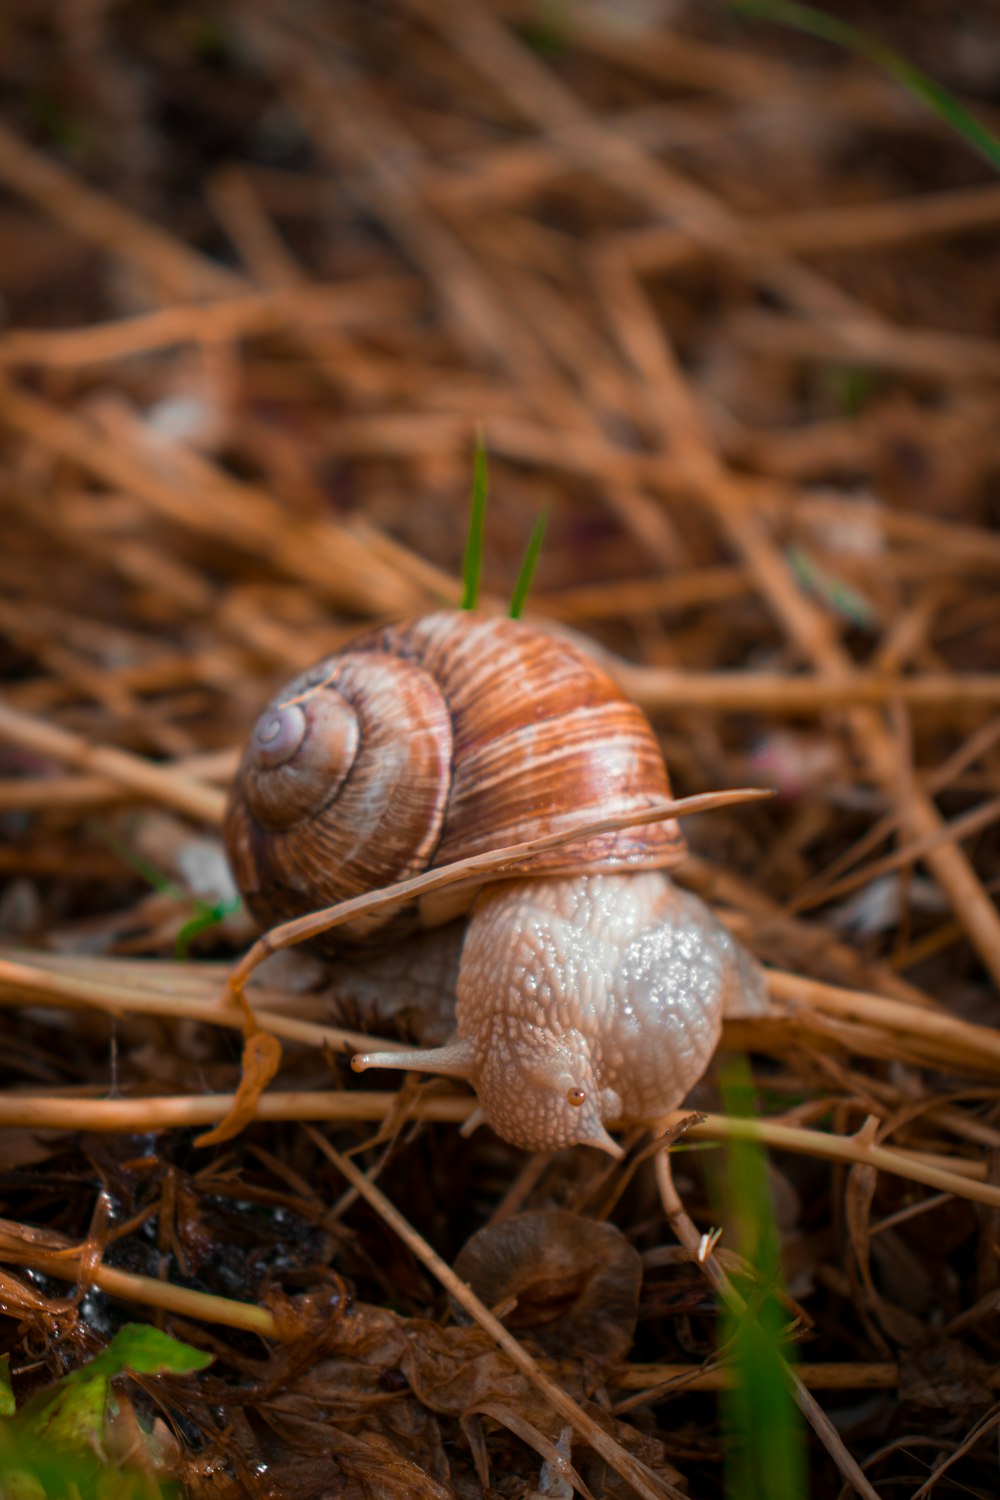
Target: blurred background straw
(722, 299)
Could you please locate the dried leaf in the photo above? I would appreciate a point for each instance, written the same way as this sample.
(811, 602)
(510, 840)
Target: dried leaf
(946, 1375)
(576, 1281)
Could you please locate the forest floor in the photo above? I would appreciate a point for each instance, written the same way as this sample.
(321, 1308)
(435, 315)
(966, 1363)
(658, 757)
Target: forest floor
(722, 300)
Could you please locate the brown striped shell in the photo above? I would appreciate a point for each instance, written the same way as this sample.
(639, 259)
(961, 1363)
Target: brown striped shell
(428, 741)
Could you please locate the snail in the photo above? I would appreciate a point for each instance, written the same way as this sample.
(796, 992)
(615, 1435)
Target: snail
(590, 987)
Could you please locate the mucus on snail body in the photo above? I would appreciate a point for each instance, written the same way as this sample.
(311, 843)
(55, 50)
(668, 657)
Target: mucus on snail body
(590, 987)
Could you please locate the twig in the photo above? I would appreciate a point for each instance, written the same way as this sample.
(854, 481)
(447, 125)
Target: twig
(25, 984)
(973, 821)
(961, 1176)
(808, 628)
(227, 319)
(658, 688)
(174, 267)
(897, 1016)
(39, 793)
(193, 493)
(51, 1254)
(842, 227)
(917, 351)
(818, 1377)
(494, 862)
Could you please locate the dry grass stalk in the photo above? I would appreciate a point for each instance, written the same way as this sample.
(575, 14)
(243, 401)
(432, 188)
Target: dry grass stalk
(470, 870)
(817, 1377)
(959, 1176)
(52, 1256)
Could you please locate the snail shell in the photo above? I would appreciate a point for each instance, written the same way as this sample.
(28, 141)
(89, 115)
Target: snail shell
(428, 741)
(589, 987)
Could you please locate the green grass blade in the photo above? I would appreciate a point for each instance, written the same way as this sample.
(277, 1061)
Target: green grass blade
(527, 573)
(830, 29)
(140, 866)
(472, 563)
(206, 915)
(765, 1447)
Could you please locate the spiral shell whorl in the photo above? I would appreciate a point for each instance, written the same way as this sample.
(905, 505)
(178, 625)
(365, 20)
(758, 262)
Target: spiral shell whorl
(299, 756)
(343, 787)
(278, 734)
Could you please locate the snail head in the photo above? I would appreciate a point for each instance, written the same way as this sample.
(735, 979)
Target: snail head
(538, 1090)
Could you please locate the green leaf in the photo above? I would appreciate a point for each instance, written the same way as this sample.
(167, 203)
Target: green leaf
(527, 573)
(6, 1390)
(944, 104)
(144, 1350)
(70, 1416)
(70, 1412)
(472, 564)
(31, 1470)
(52, 1448)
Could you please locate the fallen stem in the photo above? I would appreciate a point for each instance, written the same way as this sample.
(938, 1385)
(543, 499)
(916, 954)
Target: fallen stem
(818, 1377)
(962, 1176)
(979, 1042)
(66, 1262)
(22, 984)
(495, 862)
(868, 1023)
(656, 688)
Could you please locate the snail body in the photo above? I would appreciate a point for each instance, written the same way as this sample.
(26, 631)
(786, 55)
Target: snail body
(584, 999)
(590, 988)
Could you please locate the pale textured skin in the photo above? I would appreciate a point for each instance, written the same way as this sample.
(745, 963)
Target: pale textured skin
(586, 999)
(615, 984)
